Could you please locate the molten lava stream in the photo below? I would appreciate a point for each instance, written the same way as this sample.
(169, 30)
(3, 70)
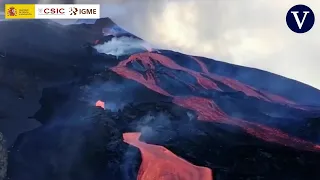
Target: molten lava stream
(248, 90)
(147, 57)
(158, 163)
(206, 109)
(100, 103)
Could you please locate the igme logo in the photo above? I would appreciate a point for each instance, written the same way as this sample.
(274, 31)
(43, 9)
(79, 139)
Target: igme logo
(300, 18)
(75, 11)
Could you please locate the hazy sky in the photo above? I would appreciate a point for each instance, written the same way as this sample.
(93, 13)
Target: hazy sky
(245, 32)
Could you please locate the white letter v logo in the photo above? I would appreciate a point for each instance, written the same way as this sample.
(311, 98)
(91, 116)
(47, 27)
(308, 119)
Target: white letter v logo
(295, 14)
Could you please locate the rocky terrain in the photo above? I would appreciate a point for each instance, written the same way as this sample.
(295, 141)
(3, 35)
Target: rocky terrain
(164, 115)
(3, 158)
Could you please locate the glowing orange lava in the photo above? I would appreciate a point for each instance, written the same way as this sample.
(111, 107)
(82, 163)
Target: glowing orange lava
(206, 109)
(158, 163)
(248, 90)
(100, 104)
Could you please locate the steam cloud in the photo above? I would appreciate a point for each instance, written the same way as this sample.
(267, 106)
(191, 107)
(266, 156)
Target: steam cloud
(249, 33)
(120, 46)
(115, 95)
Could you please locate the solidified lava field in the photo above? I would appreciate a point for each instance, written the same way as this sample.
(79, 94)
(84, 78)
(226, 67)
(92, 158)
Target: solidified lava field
(71, 110)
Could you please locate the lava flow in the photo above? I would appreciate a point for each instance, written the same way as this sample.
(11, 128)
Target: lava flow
(158, 163)
(248, 90)
(206, 109)
(100, 104)
(147, 57)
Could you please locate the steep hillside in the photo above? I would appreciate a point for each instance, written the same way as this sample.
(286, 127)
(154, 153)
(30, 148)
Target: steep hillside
(160, 114)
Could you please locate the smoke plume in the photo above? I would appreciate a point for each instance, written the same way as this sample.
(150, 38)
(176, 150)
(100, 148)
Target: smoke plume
(120, 46)
(248, 33)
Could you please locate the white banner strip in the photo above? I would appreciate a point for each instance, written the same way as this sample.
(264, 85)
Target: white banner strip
(67, 11)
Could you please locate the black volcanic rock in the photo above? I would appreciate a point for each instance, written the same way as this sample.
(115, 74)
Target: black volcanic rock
(90, 149)
(38, 54)
(3, 158)
(46, 38)
(49, 84)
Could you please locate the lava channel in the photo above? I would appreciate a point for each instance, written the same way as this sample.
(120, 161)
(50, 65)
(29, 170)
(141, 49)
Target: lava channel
(248, 90)
(158, 163)
(206, 109)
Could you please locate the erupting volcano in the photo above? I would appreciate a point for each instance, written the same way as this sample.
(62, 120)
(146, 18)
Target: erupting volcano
(108, 105)
(206, 109)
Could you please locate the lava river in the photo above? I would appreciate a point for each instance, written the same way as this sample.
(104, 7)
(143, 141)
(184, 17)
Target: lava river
(158, 163)
(206, 109)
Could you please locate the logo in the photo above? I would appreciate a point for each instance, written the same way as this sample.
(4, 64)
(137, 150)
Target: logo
(20, 11)
(51, 11)
(67, 11)
(300, 18)
(73, 11)
(12, 11)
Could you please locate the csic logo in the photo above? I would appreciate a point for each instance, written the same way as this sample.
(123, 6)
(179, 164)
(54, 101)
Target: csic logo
(51, 11)
(300, 18)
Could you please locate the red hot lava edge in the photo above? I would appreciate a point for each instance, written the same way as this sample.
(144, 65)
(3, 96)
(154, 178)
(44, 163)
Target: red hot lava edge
(206, 109)
(160, 163)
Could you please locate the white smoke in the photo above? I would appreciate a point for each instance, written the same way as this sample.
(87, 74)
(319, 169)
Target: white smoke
(121, 46)
(249, 32)
(149, 122)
